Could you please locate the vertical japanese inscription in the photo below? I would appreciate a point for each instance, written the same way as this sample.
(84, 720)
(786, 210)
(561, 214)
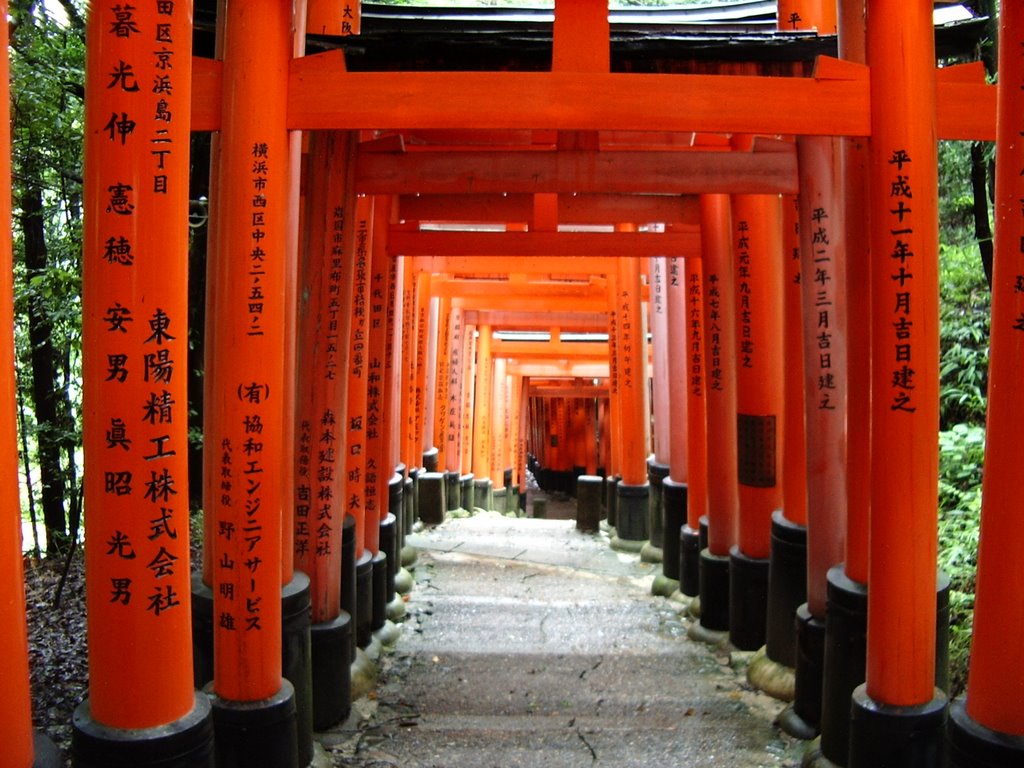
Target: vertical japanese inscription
(901, 263)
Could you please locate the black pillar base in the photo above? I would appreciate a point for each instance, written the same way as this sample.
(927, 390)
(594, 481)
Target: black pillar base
(389, 546)
(612, 500)
(349, 588)
(296, 659)
(430, 493)
(656, 474)
(483, 493)
(787, 587)
(673, 514)
(202, 632)
(453, 491)
(714, 591)
(190, 739)
(468, 492)
(588, 503)
(364, 600)
(332, 650)
(802, 719)
(748, 600)
(379, 592)
(689, 561)
(296, 663)
(430, 459)
(972, 745)
(844, 660)
(252, 733)
(46, 754)
(883, 736)
(631, 514)
(409, 503)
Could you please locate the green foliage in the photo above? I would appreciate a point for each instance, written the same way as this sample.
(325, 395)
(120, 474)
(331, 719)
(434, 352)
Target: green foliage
(963, 337)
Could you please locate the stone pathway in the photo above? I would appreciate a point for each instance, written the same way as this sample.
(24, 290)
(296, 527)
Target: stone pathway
(530, 644)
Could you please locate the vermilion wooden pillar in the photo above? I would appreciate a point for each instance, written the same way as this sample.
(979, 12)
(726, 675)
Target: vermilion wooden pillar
(482, 431)
(720, 381)
(840, 639)
(674, 487)
(247, 405)
(658, 461)
(759, 269)
(323, 330)
(441, 375)
(141, 696)
(989, 726)
(354, 425)
(16, 711)
(819, 15)
(409, 349)
(468, 402)
(631, 362)
(898, 715)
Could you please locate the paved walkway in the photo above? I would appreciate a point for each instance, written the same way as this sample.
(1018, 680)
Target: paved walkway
(530, 644)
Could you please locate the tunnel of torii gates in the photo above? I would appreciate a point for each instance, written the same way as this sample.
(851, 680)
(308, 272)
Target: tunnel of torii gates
(710, 300)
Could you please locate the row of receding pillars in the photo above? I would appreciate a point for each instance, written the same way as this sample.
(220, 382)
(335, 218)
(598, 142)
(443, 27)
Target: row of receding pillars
(362, 404)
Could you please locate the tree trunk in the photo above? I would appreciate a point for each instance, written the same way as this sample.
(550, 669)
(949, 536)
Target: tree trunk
(44, 379)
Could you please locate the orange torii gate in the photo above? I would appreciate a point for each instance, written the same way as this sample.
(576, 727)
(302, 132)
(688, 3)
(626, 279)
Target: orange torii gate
(316, 93)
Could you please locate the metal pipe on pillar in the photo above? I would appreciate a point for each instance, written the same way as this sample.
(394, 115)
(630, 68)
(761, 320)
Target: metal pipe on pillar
(720, 366)
(986, 726)
(898, 715)
(141, 699)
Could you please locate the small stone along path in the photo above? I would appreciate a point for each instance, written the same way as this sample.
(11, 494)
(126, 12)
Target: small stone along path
(528, 643)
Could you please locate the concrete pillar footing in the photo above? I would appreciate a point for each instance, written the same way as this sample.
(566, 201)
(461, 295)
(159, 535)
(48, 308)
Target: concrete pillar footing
(771, 677)
(651, 554)
(664, 586)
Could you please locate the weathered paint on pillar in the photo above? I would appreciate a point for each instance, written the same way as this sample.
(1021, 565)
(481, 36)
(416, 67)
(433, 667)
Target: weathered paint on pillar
(823, 262)
(904, 352)
(794, 448)
(248, 421)
(757, 227)
(631, 351)
(16, 712)
(407, 334)
(852, 46)
(135, 335)
(720, 360)
(392, 362)
(996, 680)
(324, 328)
(354, 427)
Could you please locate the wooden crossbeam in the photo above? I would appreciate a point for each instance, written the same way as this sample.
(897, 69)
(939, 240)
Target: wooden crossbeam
(518, 320)
(486, 289)
(402, 242)
(568, 266)
(587, 304)
(835, 102)
(546, 350)
(572, 209)
(572, 171)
